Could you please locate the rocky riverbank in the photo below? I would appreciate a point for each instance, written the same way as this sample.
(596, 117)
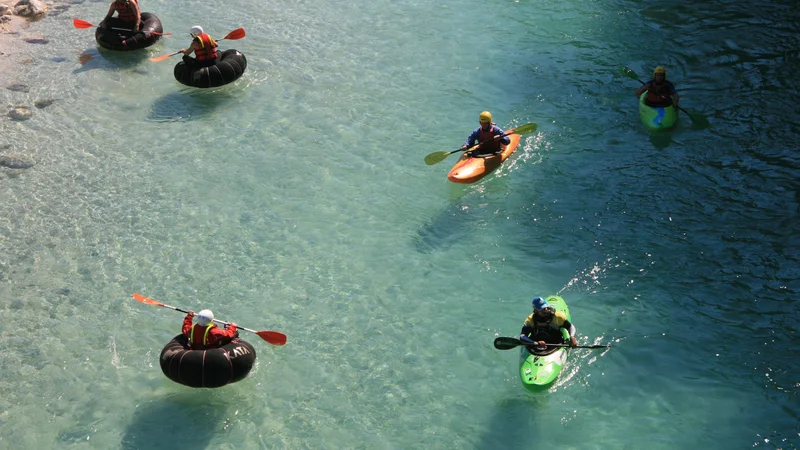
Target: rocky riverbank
(15, 16)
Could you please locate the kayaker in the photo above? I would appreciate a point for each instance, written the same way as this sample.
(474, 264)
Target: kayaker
(205, 334)
(204, 48)
(127, 11)
(545, 324)
(489, 134)
(660, 92)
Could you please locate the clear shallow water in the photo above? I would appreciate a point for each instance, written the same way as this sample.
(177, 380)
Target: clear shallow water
(297, 200)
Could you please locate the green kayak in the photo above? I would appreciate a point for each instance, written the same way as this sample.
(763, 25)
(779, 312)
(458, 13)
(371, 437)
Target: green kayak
(656, 118)
(538, 369)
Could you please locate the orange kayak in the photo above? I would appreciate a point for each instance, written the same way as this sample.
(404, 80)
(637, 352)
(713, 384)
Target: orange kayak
(469, 170)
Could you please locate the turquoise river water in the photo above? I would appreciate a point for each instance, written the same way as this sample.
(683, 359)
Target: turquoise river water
(297, 200)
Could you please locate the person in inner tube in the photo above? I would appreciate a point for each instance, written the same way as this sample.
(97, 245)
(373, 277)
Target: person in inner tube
(660, 92)
(489, 135)
(544, 326)
(127, 11)
(205, 334)
(204, 48)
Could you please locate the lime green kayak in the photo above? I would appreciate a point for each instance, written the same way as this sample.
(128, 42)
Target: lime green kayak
(538, 370)
(656, 118)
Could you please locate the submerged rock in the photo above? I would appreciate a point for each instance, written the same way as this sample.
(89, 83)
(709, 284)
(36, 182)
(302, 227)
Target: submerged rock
(18, 87)
(20, 113)
(43, 102)
(13, 161)
(41, 40)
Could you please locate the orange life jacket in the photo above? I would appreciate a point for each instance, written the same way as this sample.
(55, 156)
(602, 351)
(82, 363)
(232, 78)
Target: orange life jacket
(208, 48)
(488, 147)
(125, 10)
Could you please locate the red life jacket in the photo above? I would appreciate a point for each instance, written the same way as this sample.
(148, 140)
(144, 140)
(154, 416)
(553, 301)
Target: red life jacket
(208, 48)
(198, 337)
(125, 10)
(659, 96)
(488, 147)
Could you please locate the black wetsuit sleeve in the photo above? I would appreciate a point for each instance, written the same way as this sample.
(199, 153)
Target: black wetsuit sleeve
(527, 330)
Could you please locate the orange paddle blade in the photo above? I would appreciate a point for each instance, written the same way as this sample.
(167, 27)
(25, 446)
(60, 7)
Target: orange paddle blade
(163, 57)
(273, 337)
(235, 34)
(81, 23)
(146, 300)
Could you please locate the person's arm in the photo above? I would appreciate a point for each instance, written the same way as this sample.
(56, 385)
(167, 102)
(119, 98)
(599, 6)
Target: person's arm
(527, 327)
(230, 330)
(138, 15)
(108, 15)
(187, 323)
(191, 48)
(505, 140)
(572, 330)
(644, 87)
(218, 336)
(675, 98)
(471, 139)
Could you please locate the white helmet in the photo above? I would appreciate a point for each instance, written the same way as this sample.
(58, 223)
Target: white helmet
(205, 317)
(196, 30)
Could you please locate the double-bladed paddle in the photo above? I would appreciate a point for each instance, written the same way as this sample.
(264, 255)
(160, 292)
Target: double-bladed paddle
(78, 23)
(699, 120)
(437, 157)
(273, 337)
(232, 36)
(507, 343)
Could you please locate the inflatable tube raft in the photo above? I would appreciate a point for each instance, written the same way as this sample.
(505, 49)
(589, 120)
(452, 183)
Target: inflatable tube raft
(211, 368)
(229, 67)
(656, 118)
(118, 34)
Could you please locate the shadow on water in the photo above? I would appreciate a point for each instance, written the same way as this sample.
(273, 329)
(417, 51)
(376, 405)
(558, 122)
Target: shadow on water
(188, 104)
(100, 58)
(512, 424)
(466, 214)
(445, 229)
(660, 140)
(184, 420)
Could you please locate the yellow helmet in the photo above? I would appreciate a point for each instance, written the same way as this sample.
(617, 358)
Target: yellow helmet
(661, 70)
(485, 117)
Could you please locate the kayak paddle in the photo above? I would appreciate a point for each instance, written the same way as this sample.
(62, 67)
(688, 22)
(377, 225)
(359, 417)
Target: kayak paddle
(698, 119)
(273, 337)
(507, 343)
(232, 36)
(78, 23)
(437, 157)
